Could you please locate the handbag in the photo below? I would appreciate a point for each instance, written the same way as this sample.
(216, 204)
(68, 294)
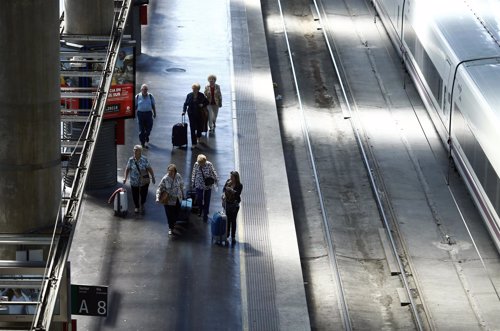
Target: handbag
(204, 119)
(144, 175)
(163, 198)
(209, 181)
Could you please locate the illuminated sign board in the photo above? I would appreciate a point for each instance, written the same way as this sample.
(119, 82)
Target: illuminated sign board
(120, 101)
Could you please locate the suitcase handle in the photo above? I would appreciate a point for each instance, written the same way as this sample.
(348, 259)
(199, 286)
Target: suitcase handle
(111, 198)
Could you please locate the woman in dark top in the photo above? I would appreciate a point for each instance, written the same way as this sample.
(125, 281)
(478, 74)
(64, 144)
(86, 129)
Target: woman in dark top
(231, 202)
(194, 104)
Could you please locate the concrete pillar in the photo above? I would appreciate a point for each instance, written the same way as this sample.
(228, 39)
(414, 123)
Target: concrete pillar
(30, 174)
(89, 17)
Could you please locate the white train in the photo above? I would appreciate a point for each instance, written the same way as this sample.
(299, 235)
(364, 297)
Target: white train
(452, 50)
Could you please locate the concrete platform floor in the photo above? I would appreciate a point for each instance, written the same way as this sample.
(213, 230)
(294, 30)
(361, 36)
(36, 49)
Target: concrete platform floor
(158, 283)
(186, 283)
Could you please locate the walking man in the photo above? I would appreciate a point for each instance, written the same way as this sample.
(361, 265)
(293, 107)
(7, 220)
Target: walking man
(146, 112)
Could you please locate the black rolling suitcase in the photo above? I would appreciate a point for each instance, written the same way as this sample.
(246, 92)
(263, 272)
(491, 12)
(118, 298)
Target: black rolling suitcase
(179, 133)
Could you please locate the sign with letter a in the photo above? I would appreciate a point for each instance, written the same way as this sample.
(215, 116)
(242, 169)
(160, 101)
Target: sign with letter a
(89, 300)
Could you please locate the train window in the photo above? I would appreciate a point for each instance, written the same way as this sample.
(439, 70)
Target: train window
(497, 201)
(432, 76)
(398, 14)
(485, 173)
(479, 162)
(490, 182)
(410, 36)
(443, 105)
(462, 132)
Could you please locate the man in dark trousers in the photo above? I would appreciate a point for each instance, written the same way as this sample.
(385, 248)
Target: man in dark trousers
(194, 106)
(146, 112)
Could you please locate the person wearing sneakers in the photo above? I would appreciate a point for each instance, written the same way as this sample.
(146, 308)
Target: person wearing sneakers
(141, 173)
(146, 112)
(214, 97)
(194, 104)
(170, 193)
(202, 179)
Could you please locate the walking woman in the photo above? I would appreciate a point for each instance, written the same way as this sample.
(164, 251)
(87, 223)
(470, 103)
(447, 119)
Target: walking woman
(202, 179)
(170, 193)
(214, 96)
(231, 199)
(194, 104)
(140, 171)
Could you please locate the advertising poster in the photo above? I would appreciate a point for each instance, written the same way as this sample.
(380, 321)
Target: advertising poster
(120, 101)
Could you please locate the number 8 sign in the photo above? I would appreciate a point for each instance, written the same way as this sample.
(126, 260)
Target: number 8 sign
(89, 300)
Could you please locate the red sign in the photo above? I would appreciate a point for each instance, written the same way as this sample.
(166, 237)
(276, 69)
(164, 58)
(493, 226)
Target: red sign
(73, 325)
(120, 101)
(68, 103)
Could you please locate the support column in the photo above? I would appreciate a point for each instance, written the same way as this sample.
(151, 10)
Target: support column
(30, 175)
(88, 17)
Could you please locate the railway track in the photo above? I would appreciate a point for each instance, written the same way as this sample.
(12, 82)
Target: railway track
(348, 196)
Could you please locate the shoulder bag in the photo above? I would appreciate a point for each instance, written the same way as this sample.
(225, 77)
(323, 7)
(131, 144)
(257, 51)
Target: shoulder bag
(209, 181)
(143, 174)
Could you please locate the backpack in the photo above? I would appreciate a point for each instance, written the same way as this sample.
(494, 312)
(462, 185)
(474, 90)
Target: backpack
(137, 100)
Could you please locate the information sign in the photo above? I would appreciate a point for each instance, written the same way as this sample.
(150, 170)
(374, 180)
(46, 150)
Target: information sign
(89, 300)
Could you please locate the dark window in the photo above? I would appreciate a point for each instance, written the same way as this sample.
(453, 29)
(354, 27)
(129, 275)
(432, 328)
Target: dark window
(486, 174)
(432, 76)
(428, 69)
(409, 36)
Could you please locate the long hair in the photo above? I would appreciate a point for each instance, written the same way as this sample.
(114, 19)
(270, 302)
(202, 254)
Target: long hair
(236, 176)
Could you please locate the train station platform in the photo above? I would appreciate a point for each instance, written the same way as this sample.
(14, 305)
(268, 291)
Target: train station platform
(187, 283)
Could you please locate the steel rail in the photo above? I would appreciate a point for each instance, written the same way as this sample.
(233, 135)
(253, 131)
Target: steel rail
(331, 246)
(59, 251)
(355, 125)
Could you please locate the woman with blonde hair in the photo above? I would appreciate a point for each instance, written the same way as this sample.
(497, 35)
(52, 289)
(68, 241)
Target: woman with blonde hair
(214, 96)
(203, 178)
(170, 193)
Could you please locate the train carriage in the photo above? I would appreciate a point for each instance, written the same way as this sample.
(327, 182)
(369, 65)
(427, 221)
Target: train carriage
(452, 52)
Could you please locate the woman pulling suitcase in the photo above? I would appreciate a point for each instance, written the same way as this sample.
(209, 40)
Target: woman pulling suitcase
(194, 105)
(202, 179)
(141, 173)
